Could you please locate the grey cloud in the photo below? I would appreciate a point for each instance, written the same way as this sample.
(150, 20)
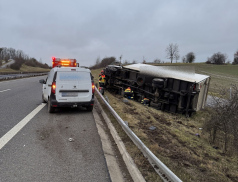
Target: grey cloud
(87, 29)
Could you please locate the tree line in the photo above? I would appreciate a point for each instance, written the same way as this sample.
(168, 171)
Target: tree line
(103, 63)
(172, 53)
(20, 58)
(217, 58)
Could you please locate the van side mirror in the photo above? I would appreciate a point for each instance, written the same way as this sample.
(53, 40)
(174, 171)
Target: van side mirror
(42, 81)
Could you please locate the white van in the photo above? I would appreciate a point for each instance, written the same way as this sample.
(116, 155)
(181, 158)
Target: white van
(68, 87)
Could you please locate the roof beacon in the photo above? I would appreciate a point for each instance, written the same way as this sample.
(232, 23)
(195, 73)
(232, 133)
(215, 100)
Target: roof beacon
(63, 62)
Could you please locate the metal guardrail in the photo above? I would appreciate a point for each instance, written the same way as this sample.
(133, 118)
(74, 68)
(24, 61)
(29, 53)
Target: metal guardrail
(22, 72)
(16, 76)
(165, 173)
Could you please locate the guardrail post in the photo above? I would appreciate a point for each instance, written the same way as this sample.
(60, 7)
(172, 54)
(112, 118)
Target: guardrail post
(164, 172)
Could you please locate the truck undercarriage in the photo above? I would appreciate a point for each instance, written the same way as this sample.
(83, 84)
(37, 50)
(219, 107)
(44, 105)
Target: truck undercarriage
(165, 93)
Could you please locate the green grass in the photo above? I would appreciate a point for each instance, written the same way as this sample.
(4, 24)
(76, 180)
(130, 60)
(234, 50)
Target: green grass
(228, 69)
(225, 70)
(222, 76)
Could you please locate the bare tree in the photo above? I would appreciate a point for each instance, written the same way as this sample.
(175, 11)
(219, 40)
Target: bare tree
(144, 61)
(184, 59)
(120, 59)
(172, 52)
(134, 61)
(177, 56)
(20, 58)
(126, 62)
(0, 53)
(157, 61)
(189, 58)
(217, 58)
(223, 124)
(235, 61)
(97, 61)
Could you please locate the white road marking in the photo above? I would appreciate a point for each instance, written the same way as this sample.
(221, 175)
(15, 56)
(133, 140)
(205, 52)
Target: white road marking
(10, 134)
(5, 90)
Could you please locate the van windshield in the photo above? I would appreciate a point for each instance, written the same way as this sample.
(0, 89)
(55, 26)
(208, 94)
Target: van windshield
(74, 76)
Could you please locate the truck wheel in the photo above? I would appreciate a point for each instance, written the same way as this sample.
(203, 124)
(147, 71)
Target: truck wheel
(102, 90)
(122, 92)
(43, 100)
(158, 83)
(139, 98)
(89, 108)
(50, 108)
(140, 81)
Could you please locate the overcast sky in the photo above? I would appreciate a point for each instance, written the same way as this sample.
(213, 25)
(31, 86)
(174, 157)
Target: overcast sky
(88, 29)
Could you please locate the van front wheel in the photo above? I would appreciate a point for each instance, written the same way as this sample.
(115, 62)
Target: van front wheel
(43, 100)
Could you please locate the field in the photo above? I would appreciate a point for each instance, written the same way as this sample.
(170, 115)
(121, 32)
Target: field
(222, 76)
(175, 141)
(25, 68)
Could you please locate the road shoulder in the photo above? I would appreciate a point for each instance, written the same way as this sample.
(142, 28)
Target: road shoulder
(128, 162)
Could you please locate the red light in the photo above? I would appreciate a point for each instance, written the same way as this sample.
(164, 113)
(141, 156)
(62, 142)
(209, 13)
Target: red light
(194, 87)
(63, 62)
(53, 87)
(93, 88)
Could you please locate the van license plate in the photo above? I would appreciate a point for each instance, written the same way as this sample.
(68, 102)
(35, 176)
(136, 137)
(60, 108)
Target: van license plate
(69, 94)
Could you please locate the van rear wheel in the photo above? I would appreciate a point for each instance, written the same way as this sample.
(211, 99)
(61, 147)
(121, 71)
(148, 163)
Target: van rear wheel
(50, 108)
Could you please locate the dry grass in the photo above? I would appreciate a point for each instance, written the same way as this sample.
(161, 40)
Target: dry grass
(221, 75)
(174, 142)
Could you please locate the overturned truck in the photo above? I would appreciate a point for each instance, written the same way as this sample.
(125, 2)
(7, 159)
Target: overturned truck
(175, 89)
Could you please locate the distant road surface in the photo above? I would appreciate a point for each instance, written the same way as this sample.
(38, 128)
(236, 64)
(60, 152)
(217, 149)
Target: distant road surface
(41, 151)
(9, 63)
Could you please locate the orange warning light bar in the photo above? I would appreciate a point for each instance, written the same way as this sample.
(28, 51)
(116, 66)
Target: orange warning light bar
(63, 62)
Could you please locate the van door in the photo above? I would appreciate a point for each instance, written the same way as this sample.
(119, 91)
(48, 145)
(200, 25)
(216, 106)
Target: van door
(47, 86)
(73, 86)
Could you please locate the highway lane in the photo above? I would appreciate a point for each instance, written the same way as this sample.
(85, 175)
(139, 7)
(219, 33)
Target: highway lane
(41, 151)
(21, 98)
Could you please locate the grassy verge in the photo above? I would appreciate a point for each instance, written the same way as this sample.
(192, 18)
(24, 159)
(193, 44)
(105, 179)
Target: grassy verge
(222, 76)
(175, 142)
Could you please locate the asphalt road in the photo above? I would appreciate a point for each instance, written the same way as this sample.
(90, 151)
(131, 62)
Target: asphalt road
(11, 61)
(41, 151)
